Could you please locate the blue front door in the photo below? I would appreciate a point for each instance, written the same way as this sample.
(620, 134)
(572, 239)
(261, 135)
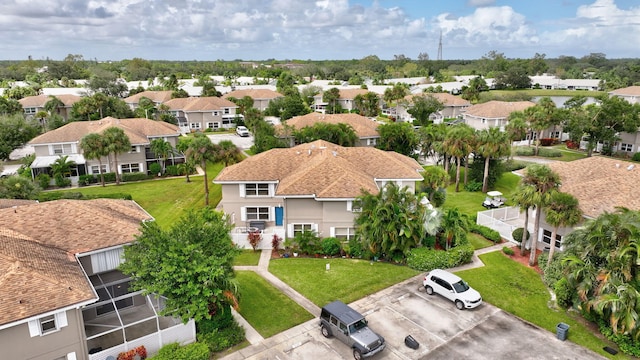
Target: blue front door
(279, 215)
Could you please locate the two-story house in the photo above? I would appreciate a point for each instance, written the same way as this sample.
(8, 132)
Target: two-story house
(366, 129)
(63, 296)
(34, 104)
(493, 113)
(261, 97)
(311, 186)
(158, 97)
(346, 100)
(200, 113)
(454, 107)
(65, 141)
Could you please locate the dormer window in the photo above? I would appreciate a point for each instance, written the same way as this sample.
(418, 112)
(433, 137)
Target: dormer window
(256, 190)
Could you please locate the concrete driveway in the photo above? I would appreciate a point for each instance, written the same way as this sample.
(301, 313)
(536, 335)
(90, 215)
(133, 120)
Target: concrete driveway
(244, 143)
(442, 331)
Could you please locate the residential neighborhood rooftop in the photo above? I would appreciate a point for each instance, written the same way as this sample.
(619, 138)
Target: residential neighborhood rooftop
(362, 126)
(497, 109)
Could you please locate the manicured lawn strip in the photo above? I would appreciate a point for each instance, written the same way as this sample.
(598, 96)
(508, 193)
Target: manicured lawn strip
(519, 290)
(247, 258)
(478, 241)
(347, 280)
(471, 202)
(267, 309)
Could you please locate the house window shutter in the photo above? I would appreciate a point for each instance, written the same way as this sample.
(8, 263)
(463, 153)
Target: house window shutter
(272, 213)
(314, 227)
(290, 230)
(243, 214)
(242, 190)
(34, 328)
(71, 356)
(349, 205)
(332, 231)
(61, 319)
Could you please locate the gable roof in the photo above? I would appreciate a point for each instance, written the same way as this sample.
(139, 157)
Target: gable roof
(155, 96)
(497, 109)
(38, 244)
(362, 126)
(445, 98)
(323, 170)
(259, 94)
(40, 100)
(195, 104)
(139, 130)
(628, 91)
(599, 183)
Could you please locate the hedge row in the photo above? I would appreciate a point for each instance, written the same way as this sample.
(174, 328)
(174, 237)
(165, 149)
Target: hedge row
(544, 152)
(50, 196)
(426, 259)
(488, 233)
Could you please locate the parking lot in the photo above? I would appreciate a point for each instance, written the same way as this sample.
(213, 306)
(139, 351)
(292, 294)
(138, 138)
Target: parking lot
(244, 143)
(442, 331)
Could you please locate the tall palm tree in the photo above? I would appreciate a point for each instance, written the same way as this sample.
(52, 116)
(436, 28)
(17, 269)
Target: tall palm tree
(562, 210)
(526, 197)
(117, 142)
(492, 143)
(62, 166)
(94, 147)
(161, 148)
(457, 143)
(200, 150)
(545, 181)
(455, 226)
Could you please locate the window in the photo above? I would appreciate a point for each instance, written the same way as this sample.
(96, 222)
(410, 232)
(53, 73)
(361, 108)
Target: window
(130, 168)
(546, 238)
(95, 169)
(212, 125)
(30, 110)
(216, 113)
(344, 233)
(626, 147)
(134, 149)
(48, 324)
(257, 213)
(301, 228)
(372, 142)
(195, 126)
(61, 149)
(354, 206)
(226, 111)
(256, 190)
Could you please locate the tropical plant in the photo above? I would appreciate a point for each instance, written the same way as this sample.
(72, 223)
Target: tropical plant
(459, 143)
(61, 169)
(434, 179)
(200, 150)
(562, 210)
(117, 142)
(162, 149)
(455, 226)
(492, 143)
(399, 137)
(94, 147)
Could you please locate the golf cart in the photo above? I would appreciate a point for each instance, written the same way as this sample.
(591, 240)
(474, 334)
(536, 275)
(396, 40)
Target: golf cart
(493, 200)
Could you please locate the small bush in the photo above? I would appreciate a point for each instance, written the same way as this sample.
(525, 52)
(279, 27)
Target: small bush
(564, 293)
(87, 179)
(276, 241)
(308, 242)
(636, 157)
(425, 259)
(330, 246)
(109, 177)
(155, 169)
(507, 250)
(137, 176)
(356, 249)
(547, 141)
(572, 145)
(173, 170)
(254, 237)
(549, 152)
(486, 232)
(223, 338)
(517, 235)
(513, 165)
(525, 151)
(473, 186)
(44, 180)
(61, 181)
(193, 351)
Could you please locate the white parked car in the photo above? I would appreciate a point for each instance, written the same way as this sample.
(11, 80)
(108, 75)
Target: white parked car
(451, 287)
(242, 131)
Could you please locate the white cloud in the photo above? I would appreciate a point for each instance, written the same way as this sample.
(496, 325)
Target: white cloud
(479, 3)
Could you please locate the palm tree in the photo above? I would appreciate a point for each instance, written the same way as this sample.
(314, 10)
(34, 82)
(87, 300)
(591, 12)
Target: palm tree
(491, 143)
(545, 181)
(457, 143)
(526, 197)
(562, 210)
(94, 147)
(455, 226)
(228, 153)
(161, 149)
(200, 150)
(62, 166)
(117, 142)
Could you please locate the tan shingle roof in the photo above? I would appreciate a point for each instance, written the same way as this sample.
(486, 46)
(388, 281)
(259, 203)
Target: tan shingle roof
(7, 203)
(155, 96)
(323, 169)
(253, 93)
(628, 91)
(206, 103)
(351, 93)
(37, 247)
(362, 126)
(445, 98)
(497, 109)
(41, 100)
(138, 130)
(600, 184)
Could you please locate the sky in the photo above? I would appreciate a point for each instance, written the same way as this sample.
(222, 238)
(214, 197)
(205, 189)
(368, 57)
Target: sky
(316, 29)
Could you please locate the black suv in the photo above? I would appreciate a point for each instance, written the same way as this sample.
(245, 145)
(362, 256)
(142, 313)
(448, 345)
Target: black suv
(339, 320)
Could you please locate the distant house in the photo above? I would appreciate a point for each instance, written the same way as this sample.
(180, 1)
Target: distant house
(631, 94)
(65, 141)
(63, 296)
(34, 104)
(201, 113)
(345, 100)
(493, 113)
(158, 97)
(261, 97)
(365, 129)
(454, 107)
(308, 187)
(549, 82)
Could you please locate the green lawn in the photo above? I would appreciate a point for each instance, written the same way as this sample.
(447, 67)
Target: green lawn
(347, 280)
(267, 309)
(471, 202)
(247, 258)
(519, 290)
(479, 241)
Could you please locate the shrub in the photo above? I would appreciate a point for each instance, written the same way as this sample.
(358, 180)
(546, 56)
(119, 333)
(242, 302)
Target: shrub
(308, 242)
(44, 180)
(572, 145)
(254, 237)
(564, 293)
(356, 249)
(330, 246)
(109, 177)
(553, 272)
(87, 179)
(155, 169)
(425, 259)
(546, 141)
(525, 151)
(61, 181)
(507, 250)
(549, 152)
(223, 338)
(517, 235)
(473, 186)
(636, 157)
(486, 232)
(276, 241)
(137, 176)
(513, 165)
(429, 241)
(193, 351)
(173, 170)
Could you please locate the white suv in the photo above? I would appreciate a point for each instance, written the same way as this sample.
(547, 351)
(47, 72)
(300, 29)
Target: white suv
(451, 287)
(242, 131)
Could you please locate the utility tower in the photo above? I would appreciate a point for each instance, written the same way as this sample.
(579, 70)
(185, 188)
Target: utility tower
(440, 47)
